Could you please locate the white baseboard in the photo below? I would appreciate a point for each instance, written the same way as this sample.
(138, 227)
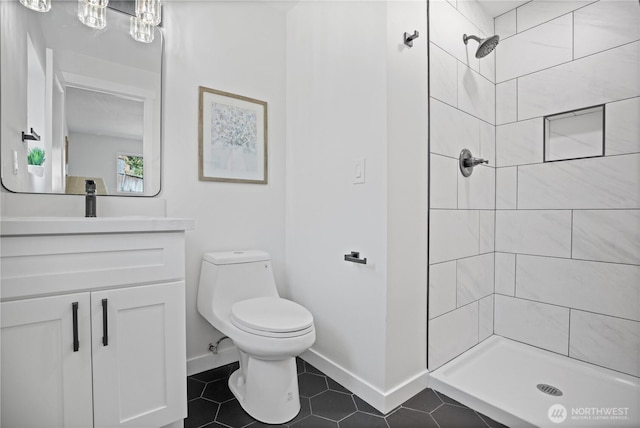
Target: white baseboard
(383, 401)
(210, 361)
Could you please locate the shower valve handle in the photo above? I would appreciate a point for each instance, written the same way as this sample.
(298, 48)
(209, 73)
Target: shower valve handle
(466, 162)
(471, 162)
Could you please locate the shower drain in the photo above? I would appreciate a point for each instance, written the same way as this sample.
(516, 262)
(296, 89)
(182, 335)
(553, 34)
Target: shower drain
(549, 389)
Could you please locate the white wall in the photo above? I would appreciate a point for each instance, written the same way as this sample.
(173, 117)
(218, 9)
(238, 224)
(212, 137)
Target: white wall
(568, 232)
(350, 81)
(461, 245)
(407, 189)
(237, 47)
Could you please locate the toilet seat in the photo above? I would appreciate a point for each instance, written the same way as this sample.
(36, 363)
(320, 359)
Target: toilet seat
(271, 317)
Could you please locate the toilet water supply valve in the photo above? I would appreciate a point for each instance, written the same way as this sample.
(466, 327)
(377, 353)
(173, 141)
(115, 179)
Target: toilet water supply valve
(214, 348)
(467, 162)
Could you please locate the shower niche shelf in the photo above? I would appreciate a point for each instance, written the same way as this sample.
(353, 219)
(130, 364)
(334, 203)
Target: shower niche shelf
(574, 134)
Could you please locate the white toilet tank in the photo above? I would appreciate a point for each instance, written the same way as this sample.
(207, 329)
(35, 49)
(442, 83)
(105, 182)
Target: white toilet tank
(232, 276)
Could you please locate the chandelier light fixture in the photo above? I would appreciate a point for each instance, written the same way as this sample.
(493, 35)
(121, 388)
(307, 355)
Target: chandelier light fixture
(148, 16)
(93, 14)
(140, 30)
(148, 11)
(37, 5)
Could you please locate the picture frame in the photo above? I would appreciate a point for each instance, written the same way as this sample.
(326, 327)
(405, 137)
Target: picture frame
(232, 138)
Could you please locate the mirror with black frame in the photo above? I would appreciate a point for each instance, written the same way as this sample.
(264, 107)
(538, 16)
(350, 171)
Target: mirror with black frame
(78, 103)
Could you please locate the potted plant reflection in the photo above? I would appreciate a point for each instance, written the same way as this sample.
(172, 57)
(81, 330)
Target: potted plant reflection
(35, 159)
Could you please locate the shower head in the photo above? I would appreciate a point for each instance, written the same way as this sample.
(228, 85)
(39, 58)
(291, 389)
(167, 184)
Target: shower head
(486, 45)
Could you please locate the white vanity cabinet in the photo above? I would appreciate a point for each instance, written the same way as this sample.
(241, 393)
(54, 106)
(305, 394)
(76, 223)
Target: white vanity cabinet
(92, 323)
(44, 383)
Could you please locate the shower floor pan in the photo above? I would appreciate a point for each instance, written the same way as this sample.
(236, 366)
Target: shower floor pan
(500, 378)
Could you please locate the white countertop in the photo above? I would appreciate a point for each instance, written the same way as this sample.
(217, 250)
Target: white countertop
(15, 226)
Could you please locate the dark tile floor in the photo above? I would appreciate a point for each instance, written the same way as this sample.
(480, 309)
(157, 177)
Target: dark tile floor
(325, 403)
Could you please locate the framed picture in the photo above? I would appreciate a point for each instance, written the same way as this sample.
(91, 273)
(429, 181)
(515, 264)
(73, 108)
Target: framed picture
(232, 138)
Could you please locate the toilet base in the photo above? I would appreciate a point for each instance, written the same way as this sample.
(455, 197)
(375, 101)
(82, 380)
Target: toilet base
(267, 390)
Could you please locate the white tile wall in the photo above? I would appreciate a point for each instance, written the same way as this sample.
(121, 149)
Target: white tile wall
(472, 10)
(622, 127)
(487, 231)
(505, 274)
(539, 11)
(546, 233)
(506, 102)
(485, 327)
(606, 341)
(454, 234)
(443, 76)
(447, 27)
(608, 182)
(478, 190)
(452, 130)
(607, 235)
(451, 334)
(605, 288)
(442, 288)
(505, 24)
(488, 142)
(607, 76)
(604, 25)
(475, 278)
(519, 143)
(476, 94)
(506, 188)
(539, 324)
(541, 47)
(462, 219)
(567, 234)
(488, 66)
(444, 189)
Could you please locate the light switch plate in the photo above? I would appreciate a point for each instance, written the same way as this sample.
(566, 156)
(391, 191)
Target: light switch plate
(15, 162)
(359, 171)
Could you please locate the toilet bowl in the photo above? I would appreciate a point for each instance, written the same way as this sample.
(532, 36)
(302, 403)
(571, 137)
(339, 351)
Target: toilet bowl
(237, 295)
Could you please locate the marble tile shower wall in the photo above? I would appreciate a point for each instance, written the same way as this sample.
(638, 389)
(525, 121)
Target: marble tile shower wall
(567, 233)
(462, 210)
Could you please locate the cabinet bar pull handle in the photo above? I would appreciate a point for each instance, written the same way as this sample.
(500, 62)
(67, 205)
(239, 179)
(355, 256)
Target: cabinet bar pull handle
(76, 342)
(105, 332)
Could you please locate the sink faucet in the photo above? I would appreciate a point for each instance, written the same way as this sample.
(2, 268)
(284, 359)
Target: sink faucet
(90, 198)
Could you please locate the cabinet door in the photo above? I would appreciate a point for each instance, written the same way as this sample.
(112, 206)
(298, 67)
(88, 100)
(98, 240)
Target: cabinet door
(45, 382)
(139, 359)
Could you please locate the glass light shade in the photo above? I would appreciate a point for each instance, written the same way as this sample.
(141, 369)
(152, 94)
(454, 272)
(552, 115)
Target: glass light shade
(149, 11)
(141, 31)
(37, 5)
(98, 3)
(91, 15)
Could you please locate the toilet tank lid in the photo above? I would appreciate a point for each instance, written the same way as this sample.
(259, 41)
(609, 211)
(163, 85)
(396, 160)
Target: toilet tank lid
(233, 257)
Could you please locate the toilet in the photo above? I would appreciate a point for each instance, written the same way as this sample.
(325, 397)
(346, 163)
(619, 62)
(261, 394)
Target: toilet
(237, 294)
